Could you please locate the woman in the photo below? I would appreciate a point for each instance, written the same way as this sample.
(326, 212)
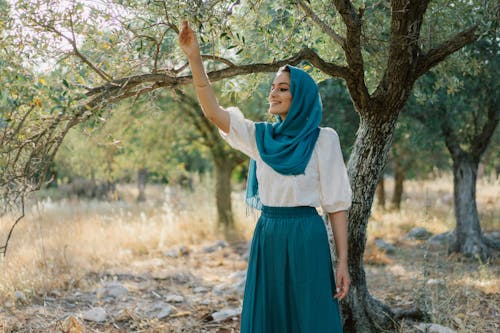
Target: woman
(295, 167)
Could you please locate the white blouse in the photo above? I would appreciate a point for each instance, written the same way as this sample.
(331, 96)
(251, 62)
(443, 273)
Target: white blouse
(324, 184)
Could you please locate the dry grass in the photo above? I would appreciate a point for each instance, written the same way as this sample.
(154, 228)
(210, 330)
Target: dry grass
(59, 243)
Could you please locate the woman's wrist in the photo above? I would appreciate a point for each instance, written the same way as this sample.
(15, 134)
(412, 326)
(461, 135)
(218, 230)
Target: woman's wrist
(342, 260)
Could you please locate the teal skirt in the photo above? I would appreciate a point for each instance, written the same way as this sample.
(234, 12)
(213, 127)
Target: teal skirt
(290, 283)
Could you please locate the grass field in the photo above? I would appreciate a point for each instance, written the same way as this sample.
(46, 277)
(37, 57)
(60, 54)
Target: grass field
(61, 246)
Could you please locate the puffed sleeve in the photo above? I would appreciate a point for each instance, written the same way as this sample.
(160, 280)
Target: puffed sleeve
(241, 134)
(335, 191)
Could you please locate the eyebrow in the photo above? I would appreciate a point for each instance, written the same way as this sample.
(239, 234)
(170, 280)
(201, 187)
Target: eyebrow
(279, 83)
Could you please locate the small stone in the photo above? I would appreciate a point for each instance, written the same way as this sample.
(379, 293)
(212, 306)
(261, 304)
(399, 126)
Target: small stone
(174, 298)
(436, 282)
(183, 250)
(239, 286)
(157, 310)
(221, 289)
(215, 247)
(160, 310)
(204, 301)
(238, 275)
(434, 328)
(97, 315)
(494, 235)
(225, 314)
(384, 246)
(200, 290)
(112, 289)
(418, 233)
(444, 238)
(20, 297)
(173, 253)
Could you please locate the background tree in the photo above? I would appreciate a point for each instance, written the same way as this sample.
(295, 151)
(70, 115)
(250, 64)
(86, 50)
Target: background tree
(466, 119)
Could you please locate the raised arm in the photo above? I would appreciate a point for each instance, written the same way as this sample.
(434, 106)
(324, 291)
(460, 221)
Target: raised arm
(211, 108)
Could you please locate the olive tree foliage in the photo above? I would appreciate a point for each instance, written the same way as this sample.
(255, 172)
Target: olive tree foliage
(112, 50)
(35, 116)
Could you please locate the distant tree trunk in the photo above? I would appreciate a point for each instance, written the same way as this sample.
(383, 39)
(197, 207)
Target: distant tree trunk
(399, 177)
(362, 312)
(142, 176)
(470, 240)
(223, 171)
(381, 193)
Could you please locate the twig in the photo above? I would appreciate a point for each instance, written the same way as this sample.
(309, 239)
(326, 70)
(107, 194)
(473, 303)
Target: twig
(3, 249)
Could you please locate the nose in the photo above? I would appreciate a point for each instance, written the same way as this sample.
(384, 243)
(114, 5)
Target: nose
(272, 92)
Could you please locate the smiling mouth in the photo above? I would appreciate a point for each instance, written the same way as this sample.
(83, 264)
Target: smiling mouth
(274, 103)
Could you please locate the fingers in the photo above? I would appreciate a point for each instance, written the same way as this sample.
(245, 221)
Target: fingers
(185, 35)
(342, 287)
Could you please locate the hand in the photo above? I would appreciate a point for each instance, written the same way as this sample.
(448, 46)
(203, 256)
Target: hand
(188, 41)
(342, 280)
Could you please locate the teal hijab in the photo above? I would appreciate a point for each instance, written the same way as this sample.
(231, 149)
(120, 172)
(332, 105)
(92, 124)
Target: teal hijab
(287, 145)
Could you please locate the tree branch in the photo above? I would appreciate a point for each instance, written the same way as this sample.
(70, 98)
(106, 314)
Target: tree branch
(435, 55)
(72, 41)
(3, 248)
(123, 85)
(481, 141)
(352, 49)
(323, 26)
(217, 58)
(399, 76)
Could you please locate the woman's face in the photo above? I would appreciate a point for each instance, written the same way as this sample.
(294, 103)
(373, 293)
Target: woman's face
(280, 97)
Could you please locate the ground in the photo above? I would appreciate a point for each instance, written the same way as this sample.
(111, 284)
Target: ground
(67, 256)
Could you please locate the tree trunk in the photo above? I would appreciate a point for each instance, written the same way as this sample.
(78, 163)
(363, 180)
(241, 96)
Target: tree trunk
(363, 313)
(381, 193)
(399, 178)
(142, 176)
(469, 240)
(223, 171)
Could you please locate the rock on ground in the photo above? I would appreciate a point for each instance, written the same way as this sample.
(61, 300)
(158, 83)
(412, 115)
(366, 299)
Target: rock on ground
(97, 315)
(434, 328)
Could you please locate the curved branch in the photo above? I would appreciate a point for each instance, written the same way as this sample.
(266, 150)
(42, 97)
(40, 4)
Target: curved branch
(123, 85)
(323, 26)
(3, 248)
(435, 55)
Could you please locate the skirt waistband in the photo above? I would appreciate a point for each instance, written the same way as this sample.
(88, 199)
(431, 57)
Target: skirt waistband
(300, 211)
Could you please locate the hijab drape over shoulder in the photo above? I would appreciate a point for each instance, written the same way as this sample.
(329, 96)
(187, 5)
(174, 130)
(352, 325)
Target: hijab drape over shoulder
(287, 145)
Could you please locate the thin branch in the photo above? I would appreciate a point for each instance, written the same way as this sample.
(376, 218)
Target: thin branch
(435, 55)
(3, 249)
(482, 139)
(217, 58)
(323, 26)
(99, 71)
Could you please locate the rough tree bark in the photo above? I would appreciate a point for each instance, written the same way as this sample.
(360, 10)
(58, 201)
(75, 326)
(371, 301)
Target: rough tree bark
(469, 240)
(363, 313)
